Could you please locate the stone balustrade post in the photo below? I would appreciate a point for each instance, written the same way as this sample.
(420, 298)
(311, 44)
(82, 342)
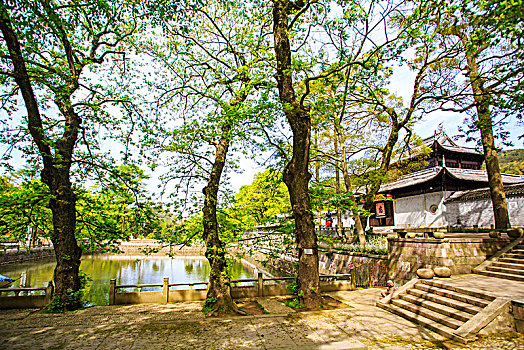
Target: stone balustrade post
(112, 291)
(260, 284)
(165, 291)
(353, 274)
(49, 291)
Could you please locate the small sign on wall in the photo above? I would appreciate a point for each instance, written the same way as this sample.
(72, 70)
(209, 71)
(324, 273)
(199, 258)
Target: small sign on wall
(380, 210)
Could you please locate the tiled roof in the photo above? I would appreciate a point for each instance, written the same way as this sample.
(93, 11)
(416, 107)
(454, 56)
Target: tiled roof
(482, 176)
(516, 190)
(423, 176)
(413, 179)
(443, 140)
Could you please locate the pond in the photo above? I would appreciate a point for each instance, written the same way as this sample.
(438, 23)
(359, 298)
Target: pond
(125, 269)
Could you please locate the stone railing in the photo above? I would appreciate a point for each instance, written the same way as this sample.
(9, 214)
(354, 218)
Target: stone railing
(28, 301)
(260, 287)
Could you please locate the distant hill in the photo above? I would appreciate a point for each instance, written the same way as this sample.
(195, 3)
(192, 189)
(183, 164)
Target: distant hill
(512, 161)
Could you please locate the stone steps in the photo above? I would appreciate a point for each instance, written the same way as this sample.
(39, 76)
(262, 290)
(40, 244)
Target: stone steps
(459, 305)
(444, 285)
(423, 311)
(424, 321)
(505, 270)
(502, 275)
(509, 265)
(476, 301)
(438, 307)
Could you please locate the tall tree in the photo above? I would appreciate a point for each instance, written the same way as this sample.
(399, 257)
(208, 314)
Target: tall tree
(212, 67)
(49, 47)
(299, 63)
(296, 172)
(492, 63)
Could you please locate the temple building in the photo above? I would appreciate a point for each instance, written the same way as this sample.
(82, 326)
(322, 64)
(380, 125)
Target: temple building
(451, 190)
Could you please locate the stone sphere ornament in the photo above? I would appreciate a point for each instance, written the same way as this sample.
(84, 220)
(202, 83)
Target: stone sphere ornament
(494, 234)
(426, 274)
(442, 271)
(515, 232)
(439, 235)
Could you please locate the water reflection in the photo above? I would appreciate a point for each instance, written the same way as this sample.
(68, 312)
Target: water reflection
(125, 269)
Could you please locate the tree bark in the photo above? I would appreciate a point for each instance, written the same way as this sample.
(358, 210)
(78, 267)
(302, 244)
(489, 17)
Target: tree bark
(296, 173)
(485, 126)
(361, 234)
(337, 179)
(55, 174)
(218, 298)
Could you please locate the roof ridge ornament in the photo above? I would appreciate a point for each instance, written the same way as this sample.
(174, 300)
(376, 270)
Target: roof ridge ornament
(440, 129)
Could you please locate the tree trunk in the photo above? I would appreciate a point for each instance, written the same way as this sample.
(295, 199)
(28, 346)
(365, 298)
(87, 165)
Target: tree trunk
(296, 173)
(317, 179)
(55, 173)
(361, 234)
(337, 179)
(67, 251)
(482, 104)
(218, 298)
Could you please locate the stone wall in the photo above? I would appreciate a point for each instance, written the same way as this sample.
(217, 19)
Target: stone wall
(406, 256)
(330, 262)
(518, 315)
(338, 262)
(480, 212)
(24, 256)
(140, 247)
(282, 266)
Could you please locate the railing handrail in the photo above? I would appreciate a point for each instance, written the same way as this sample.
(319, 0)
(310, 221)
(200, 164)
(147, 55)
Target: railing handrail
(139, 285)
(187, 284)
(232, 281)
(21, 289)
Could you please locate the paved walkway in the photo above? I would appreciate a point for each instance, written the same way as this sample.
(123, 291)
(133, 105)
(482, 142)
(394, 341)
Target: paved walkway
(182, 326)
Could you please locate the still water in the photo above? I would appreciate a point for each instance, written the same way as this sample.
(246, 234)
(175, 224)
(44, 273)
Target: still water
(125, 269)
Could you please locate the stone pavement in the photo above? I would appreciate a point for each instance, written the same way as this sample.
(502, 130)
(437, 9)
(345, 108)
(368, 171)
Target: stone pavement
(183, 326)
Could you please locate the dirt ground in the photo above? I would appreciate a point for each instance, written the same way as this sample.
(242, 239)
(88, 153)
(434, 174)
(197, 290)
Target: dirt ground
(183, 326)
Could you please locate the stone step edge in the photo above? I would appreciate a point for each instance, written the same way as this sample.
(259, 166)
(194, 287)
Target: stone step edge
(513, 261)
(506, 270)
(499, 254)
(502, 275)
(451, 294)
(443, 309)
(441, 284)
(427, 323)
(440, 299)
(508, 265)
(427, 313)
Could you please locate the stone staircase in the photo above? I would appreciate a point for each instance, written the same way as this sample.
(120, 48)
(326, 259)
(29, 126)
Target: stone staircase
(453, 312)
(507, 264)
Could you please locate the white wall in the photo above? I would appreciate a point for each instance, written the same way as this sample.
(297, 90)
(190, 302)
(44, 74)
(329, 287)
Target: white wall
(414, 211)
(480, 212)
